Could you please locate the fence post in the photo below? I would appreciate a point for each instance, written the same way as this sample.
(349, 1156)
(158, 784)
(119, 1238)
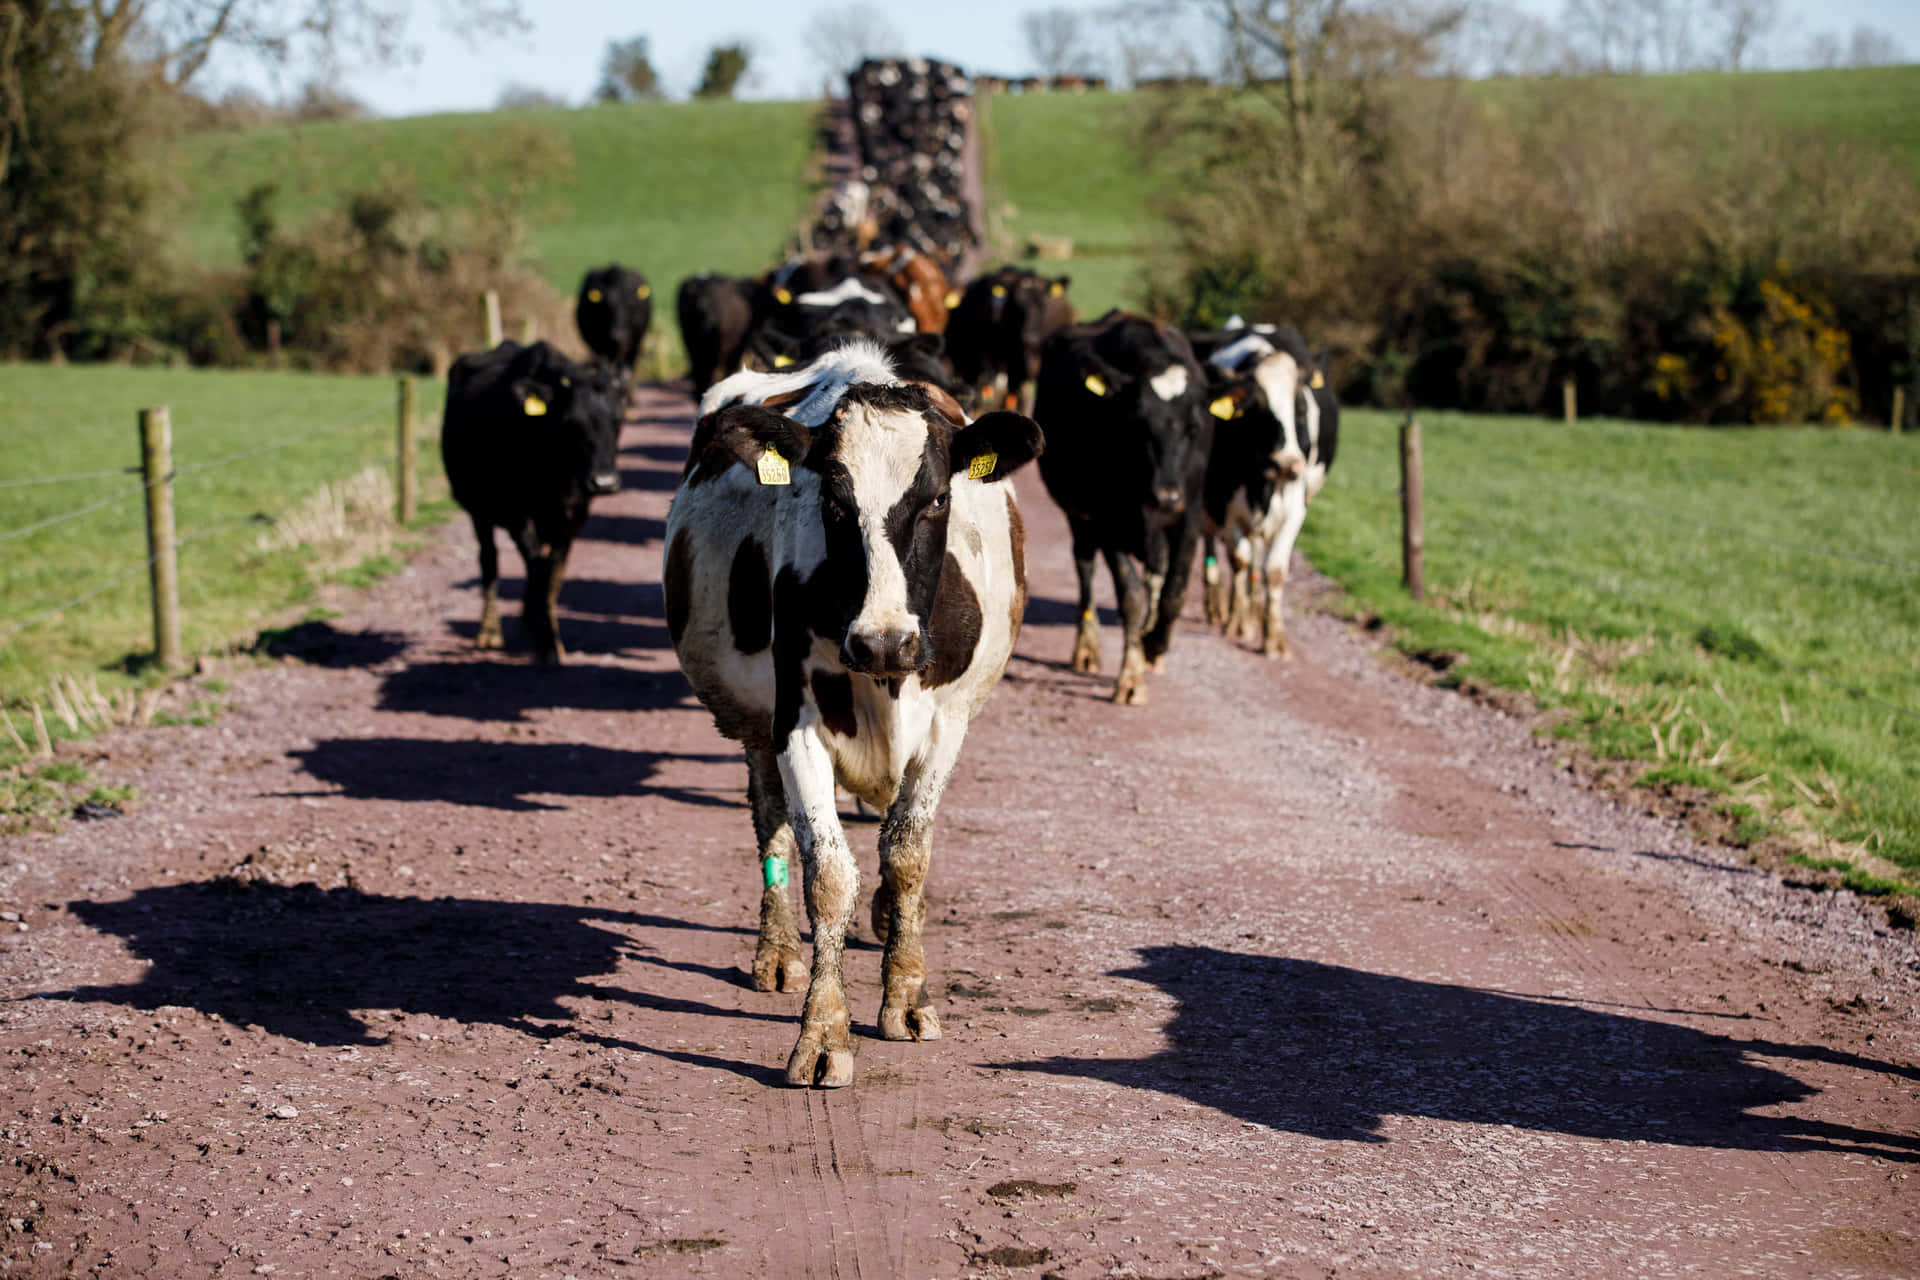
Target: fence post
(1899, 419)
(409, 456)
(1569, 399)
(163, 565)
(490, 310)
(1413, 541)
(529, 331)
(273, 344)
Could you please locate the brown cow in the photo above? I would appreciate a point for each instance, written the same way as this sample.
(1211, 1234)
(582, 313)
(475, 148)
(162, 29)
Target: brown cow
(918, 279)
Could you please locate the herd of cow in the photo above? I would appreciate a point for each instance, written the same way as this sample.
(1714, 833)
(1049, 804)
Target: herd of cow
(845, 569)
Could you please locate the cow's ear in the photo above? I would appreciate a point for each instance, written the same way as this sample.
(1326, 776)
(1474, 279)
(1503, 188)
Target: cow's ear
(1058, 285)
(1097, 376)
(1228, 396)
(995, 445)
(536, 398)
(749, 433)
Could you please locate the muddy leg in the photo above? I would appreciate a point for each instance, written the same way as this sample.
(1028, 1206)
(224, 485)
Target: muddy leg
(1216, 583)
(1130, 689)
(1240, 612)
(823, 1055)
(489, 635)
(550, 600)
(1182, 543)
(1086, 642)
(1279, 556)
(777, 965)
(906, 852)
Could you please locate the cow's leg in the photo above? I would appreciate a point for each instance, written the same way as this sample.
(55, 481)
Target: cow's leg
(1086, 641)
(534, 608)
(824, 1053)
(1279, 556)
(1173, 593)
(1217, 583)
(489, 634)
(777, 964)
(556, 652)
(906, 851)
(1131, 686)
(1240, 608)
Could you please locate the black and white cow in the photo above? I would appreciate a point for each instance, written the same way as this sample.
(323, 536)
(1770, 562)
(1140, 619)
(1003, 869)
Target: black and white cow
(1123, 403)
(529, 438)
(845, 577)
(1278, 427)
(613, 310)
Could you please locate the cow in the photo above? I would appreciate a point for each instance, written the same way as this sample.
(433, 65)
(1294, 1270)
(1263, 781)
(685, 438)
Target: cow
(918, 279)
(1122, 401)
(529, 438)
(999, 325)
(844, 581)
(802, 325)
(613, 311)
(717, 314)
(1278, 425)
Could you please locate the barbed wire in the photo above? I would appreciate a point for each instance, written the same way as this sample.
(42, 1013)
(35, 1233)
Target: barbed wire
(69, 478)
(75, 514)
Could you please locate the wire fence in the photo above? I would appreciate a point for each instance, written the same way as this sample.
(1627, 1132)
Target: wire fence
(42, 612)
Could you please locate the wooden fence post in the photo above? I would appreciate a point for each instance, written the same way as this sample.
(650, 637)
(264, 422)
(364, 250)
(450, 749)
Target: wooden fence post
(529, 330)
(1569, 399)
(1899, 420)
(490, 305)
(163, 565)
(273, 344)
(407, 490)
(1413, 541)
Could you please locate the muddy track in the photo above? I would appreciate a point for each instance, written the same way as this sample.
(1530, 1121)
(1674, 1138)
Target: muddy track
(424, 962)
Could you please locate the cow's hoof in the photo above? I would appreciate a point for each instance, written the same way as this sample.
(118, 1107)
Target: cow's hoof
(1282, 651)
(489, 640)
(816, 1065)
(909, 1023)
(1130, 693)
(778, 968)
(1086, 661)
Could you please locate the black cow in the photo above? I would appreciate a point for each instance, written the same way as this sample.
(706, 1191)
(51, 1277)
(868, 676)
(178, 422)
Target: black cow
(998, 327)
(717, 313)
(613, 311)
(1123, 403)
(802, 321)
(529, 438)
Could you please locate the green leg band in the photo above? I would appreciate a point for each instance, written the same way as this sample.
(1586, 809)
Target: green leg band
(775, 871)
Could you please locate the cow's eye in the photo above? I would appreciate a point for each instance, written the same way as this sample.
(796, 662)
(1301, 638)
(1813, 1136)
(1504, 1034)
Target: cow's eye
(935, 507)
(837, 508)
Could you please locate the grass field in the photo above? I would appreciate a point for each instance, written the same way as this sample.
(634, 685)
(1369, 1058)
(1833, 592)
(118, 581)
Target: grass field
(296, 432)
(669, 188)
(1740, 608)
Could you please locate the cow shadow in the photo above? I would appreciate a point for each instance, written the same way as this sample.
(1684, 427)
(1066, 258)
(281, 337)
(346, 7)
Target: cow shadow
(321, 644)
(612, 599)
(604, 637)
(503, 775)
(649, 479)
(324, 966)
(629, 530)
(507, 691)
(1328, 1051)
(1043, 611)
(673, 455)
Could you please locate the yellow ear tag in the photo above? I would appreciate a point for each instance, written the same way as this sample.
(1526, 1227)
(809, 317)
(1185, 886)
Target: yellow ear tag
(953, 299)
(593, 295)
(999, 291)
(643, 293)
(1223, 408)
(782, 296)
(1096, 384)
(982, 467)
(774, 469)
(1056, 288)
(534, 407)
(1316, 382)
(781, 362)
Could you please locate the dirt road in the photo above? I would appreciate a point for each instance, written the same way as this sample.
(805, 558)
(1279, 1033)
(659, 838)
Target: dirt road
(421, 962)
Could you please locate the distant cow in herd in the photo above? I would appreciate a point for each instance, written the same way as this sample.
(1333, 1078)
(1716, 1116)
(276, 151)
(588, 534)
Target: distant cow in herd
(613, 311)
(529, 438)
(1277, 427)
(1122, 401)
(844, 581)
(999, 325)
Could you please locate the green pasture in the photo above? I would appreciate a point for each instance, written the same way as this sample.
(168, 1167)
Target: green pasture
(670, 188)
(1740, 608)
(249, 449)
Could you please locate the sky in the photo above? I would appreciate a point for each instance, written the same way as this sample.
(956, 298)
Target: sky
(561, 51)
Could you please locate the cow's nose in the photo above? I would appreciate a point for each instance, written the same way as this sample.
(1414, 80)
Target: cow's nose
(1169, 497)
(892, 653)
(1291, 466)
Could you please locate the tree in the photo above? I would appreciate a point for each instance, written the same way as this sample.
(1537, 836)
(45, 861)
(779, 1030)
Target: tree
(1871, 47)
(626, 72)
(841, 39)
(515, 96)
(1743, 25)
(1603, 33)
(726, 64)
(1055, 41)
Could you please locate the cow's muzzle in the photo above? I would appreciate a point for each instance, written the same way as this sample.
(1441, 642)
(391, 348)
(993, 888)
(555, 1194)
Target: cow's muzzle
(892, 654)
(605, 482)
(1169, 499)
(1288, 466)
